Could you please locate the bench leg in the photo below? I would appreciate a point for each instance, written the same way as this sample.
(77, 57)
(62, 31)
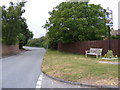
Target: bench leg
(86, 55)
(96, 56)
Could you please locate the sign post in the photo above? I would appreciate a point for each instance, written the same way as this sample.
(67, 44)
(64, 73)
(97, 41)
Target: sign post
(109, 23)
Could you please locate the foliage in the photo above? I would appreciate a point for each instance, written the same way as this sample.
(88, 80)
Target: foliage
(52, 44)
(37, 42)
(74, 21)
(25, 31)
(26, 35)
(116, 56)
(109, 54)
(14, 25)
(11, 15)
(115, 37)
(21, 39)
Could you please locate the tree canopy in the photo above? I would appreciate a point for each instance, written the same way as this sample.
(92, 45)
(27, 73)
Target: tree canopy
(38, 42)
(14, 26)
(75, 21)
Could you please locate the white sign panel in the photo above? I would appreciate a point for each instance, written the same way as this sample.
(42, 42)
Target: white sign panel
(109, 17)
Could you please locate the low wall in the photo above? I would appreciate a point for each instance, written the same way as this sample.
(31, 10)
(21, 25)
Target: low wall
(80, 47)
(8, 49)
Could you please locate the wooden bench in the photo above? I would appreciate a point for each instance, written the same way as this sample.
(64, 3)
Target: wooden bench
(94, 51)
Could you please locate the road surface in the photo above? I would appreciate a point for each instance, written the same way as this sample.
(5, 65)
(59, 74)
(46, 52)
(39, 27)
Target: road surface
(23, 70)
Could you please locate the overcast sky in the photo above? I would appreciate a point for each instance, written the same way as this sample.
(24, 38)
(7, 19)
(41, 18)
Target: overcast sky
(37, 12)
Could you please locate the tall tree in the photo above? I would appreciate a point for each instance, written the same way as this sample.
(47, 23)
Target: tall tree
(75, 21)
(15, 29)
(25, 31)
(11, 22)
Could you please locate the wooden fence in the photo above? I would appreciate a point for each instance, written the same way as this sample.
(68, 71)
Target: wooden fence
(80, 47)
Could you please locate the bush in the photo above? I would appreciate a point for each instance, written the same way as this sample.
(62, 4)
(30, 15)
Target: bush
(52, 44)
(109, 54)
(66, 25)
(115, 37)
(21, 39)
(38, 42)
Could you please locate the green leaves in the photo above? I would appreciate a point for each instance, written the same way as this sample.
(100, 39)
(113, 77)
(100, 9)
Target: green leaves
(11, 22)
(14, 25)
(75, 21)
(38, 42)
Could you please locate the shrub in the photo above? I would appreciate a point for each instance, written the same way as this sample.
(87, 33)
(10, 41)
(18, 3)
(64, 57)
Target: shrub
(109, 54)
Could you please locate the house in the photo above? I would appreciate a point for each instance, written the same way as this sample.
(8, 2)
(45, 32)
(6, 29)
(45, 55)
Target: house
(115, 32)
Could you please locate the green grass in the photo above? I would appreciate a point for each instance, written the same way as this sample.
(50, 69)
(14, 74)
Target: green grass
(78, 68)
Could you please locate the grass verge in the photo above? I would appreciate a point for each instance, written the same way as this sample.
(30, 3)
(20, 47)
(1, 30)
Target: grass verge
(78, 68)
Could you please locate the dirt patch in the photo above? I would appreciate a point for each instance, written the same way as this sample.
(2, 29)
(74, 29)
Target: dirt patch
(45, 67)
(112, 82)
(98, 81)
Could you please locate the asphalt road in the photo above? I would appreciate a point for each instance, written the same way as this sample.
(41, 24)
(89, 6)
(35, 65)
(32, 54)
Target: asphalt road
(24, 69)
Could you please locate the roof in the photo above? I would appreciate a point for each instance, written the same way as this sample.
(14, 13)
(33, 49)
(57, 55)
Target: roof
(115, 32)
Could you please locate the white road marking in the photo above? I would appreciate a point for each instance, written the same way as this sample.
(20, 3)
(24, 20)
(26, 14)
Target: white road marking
(39, 82)
(52, 82)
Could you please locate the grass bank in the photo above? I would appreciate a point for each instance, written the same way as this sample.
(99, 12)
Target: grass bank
(78, 68)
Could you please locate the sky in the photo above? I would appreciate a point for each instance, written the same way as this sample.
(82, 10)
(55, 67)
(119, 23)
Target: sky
(37, 12)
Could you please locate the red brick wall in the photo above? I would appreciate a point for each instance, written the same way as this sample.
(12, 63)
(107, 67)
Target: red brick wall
(80, 47)
(8, 49)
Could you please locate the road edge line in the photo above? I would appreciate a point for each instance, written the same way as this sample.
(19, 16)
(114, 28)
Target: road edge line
(39, 81)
